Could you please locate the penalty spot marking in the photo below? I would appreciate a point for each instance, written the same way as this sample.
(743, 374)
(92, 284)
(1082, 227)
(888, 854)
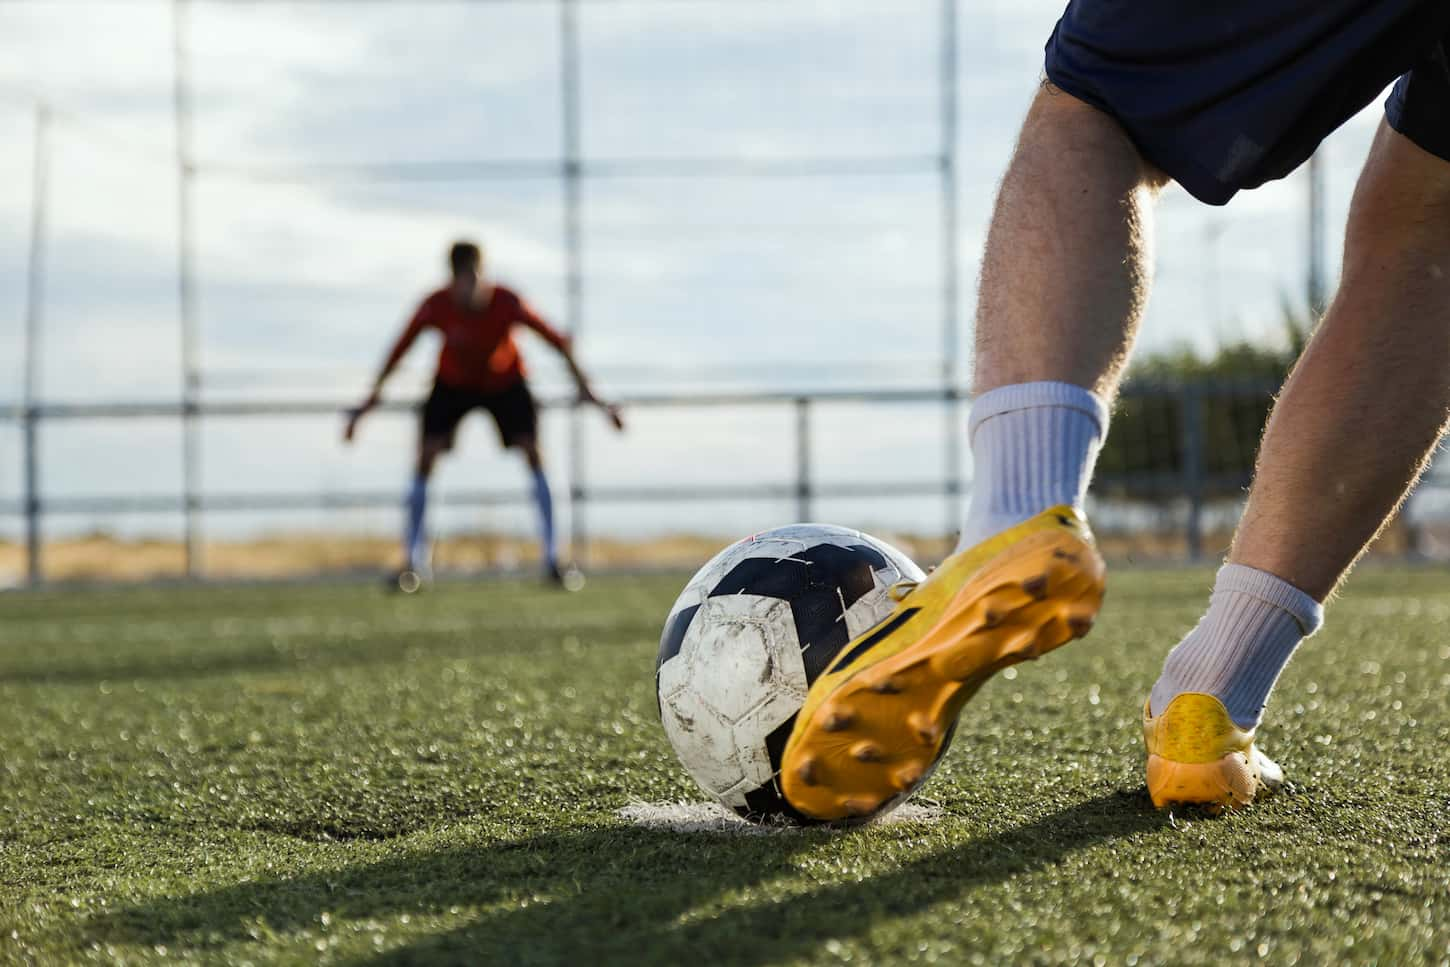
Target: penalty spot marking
(709, 817)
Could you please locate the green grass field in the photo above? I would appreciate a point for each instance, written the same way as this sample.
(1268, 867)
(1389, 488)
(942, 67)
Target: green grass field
(330, 774)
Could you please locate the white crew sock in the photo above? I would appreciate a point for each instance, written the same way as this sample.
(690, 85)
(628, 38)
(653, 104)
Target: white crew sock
(1254, 623)
(1033, 447)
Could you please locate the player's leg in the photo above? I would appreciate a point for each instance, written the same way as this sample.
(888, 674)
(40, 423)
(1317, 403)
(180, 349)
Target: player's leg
(1063, 286)
(438, 422)
(1064, 283)
(415, 542)
(1065, 280)
(1349, 435)
(528, 445)
(1374, 381)
(517, 417)
(1068, 263)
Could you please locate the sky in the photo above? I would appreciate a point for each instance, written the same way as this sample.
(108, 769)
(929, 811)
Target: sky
(692, 282)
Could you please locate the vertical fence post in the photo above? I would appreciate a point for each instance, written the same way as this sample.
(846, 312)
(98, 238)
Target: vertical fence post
(186, 293)
(1315, 278)
(34, 301)
(33, 573)
(803, 458)
(950, 297)
(573, 259)
(1191, 414)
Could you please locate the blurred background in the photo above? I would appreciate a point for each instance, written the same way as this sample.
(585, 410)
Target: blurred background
(761, 221)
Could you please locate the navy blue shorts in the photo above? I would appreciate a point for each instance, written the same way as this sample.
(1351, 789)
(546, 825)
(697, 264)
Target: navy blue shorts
(1229, 94)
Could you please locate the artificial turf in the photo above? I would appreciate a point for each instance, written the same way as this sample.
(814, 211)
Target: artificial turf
(308, 774)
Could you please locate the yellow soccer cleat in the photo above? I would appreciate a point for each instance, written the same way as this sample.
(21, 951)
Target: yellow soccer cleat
(1198, 756)
(874, 723)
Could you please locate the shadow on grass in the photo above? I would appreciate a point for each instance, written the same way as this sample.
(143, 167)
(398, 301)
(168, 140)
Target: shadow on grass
(621, 894)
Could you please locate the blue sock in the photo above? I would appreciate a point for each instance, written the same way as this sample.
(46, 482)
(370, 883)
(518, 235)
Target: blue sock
(545, 500)
(414, 549)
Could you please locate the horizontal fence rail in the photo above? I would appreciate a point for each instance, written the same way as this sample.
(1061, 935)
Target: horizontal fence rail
(1172, 444)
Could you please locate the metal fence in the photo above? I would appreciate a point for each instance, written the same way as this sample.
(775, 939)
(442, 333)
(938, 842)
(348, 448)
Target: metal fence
(571, 170)
(803, 490)
(1190, 470)
(1189, 480)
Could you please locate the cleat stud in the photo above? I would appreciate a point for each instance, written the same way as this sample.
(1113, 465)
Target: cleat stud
(907, 777)
(806, 772)
(887, 686)
(1079, 626)
(991, 619)
(837, 721)
(867, 752)
(856, 808)
(1036, 587)
(926, 731)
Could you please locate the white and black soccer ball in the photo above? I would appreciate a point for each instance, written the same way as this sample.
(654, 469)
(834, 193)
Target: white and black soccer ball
(747, 637)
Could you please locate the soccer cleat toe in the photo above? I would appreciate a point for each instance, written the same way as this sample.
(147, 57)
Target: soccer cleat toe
(875, 721)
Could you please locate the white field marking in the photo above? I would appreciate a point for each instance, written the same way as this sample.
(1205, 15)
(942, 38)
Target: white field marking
(709, 817)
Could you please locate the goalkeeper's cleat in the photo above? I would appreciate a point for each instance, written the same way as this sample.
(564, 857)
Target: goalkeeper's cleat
(406, 581)
(874, 724)
(1198, 756)
(568, 578)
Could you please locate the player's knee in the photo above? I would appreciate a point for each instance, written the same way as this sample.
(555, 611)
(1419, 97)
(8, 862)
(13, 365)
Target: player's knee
(428, 455)
(1402, 201)
(529, 448)
(1063, 124)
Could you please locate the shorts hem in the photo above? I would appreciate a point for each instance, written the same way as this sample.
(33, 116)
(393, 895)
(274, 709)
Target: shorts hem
(1432, 141)
(1177, 166)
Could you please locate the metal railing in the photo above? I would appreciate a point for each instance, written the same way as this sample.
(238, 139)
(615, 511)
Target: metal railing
(1180, 466)
(34, 507)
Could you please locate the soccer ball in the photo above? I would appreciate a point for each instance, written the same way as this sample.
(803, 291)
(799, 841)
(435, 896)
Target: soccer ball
(745, 640)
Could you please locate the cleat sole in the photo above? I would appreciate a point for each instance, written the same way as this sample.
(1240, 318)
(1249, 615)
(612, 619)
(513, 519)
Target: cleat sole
(1035, 597)
(907, 777)
(857, 808)
(866, 752)
(926, 731)
(1228, 782)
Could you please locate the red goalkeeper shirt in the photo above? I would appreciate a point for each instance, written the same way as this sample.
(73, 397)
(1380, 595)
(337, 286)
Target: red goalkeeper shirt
(479, 352)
